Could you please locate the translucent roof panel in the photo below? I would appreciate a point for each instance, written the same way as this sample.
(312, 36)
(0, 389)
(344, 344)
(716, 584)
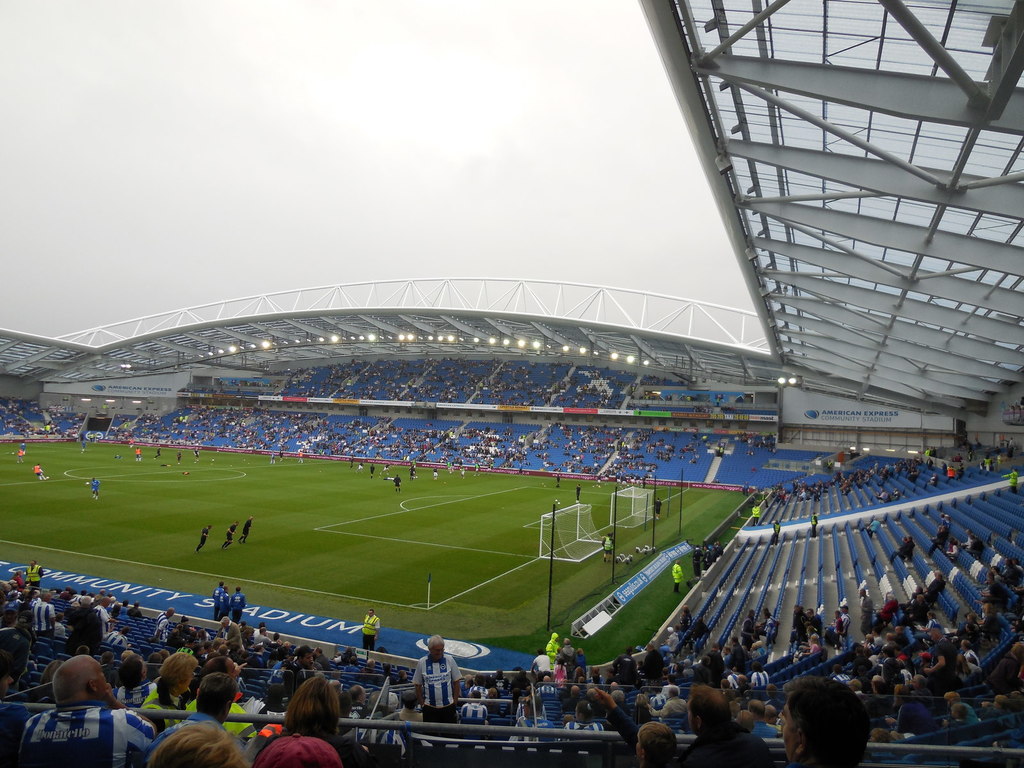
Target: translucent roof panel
(873, 154)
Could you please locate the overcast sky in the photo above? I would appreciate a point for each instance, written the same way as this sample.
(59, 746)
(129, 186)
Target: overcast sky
(158, 155)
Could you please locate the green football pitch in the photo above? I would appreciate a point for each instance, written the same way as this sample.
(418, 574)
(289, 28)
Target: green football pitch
(329, 539)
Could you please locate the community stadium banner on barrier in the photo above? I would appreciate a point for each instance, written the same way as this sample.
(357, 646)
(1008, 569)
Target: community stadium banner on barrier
(646, 575)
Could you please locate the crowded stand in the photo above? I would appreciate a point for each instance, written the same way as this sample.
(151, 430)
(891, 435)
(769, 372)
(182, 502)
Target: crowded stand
(664, 454)
(896, 578)
(591, 387)
(452, 381)
(574, 449)
(926, 638)
(520, 383)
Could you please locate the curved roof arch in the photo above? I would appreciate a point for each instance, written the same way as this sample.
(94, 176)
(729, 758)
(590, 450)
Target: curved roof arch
(463, 316)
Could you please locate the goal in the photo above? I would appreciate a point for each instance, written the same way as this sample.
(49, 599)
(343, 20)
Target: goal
(631, 506)
(575, 537)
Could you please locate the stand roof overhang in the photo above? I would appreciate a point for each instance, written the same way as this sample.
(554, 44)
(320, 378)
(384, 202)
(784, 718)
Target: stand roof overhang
(866, 158)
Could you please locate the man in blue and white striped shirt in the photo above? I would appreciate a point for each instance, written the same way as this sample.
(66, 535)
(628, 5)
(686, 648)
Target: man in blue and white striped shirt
(437, 679)
(43, 615)
(163, 625)
(89, 728)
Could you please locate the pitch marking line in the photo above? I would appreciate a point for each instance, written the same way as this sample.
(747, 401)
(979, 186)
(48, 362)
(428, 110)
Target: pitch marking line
(429, 544)
(482, 583)
(214, 577)
(133, 477)
(402, 508)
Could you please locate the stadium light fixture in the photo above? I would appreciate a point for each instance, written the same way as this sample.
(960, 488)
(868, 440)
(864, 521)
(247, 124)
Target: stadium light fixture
(136, 402)
(362, 338)
(450, 337)
(647, 362)
(521, 343)
(110, 400)
(86, 399)
(615, 355)
(431, 338)
(565, 347)
(372, 337)
(401, 337)
(505, 342)
(630, 359)
(492, 340)
(583, 350)
(476, 339)
(232, 349)
(782, 381)
(335, 338)
(266, 344)
(320, 339)
(220, 351)
(536, 345)
(792, 381)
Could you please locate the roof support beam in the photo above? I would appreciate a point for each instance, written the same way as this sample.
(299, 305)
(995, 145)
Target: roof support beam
(919, 32)
(826, 318)
(902, 350)
(885, 179)
(941, 284)
(890, 304)
(1007, 61)
(817, 235)
(841, 133)
(895, 369)
(915, 97)
(959, 249)
(920, 384)
(742, 31)
(464, 327)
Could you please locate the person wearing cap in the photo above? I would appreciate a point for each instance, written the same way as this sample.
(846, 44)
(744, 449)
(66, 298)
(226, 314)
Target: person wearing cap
(298, 751)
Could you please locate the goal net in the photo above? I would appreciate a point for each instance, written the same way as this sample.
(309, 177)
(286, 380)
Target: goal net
(574, 536)
(631, 506)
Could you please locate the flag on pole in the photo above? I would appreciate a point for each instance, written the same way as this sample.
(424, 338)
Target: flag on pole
(428, 578)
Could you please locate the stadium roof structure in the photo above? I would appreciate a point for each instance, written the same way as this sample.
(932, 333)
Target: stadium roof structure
(458, 317)
(867, 160)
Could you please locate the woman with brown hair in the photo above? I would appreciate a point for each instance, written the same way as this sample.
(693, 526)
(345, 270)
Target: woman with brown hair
(313, 712)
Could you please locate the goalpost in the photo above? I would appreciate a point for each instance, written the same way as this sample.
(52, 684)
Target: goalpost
(575, 537)
(632, 505)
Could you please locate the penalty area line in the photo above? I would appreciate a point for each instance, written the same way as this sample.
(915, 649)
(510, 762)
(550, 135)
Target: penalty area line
(426, 543)
(482, 584)
(402, 508)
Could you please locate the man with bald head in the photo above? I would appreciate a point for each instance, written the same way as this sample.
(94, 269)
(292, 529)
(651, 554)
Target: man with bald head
(89, 728)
